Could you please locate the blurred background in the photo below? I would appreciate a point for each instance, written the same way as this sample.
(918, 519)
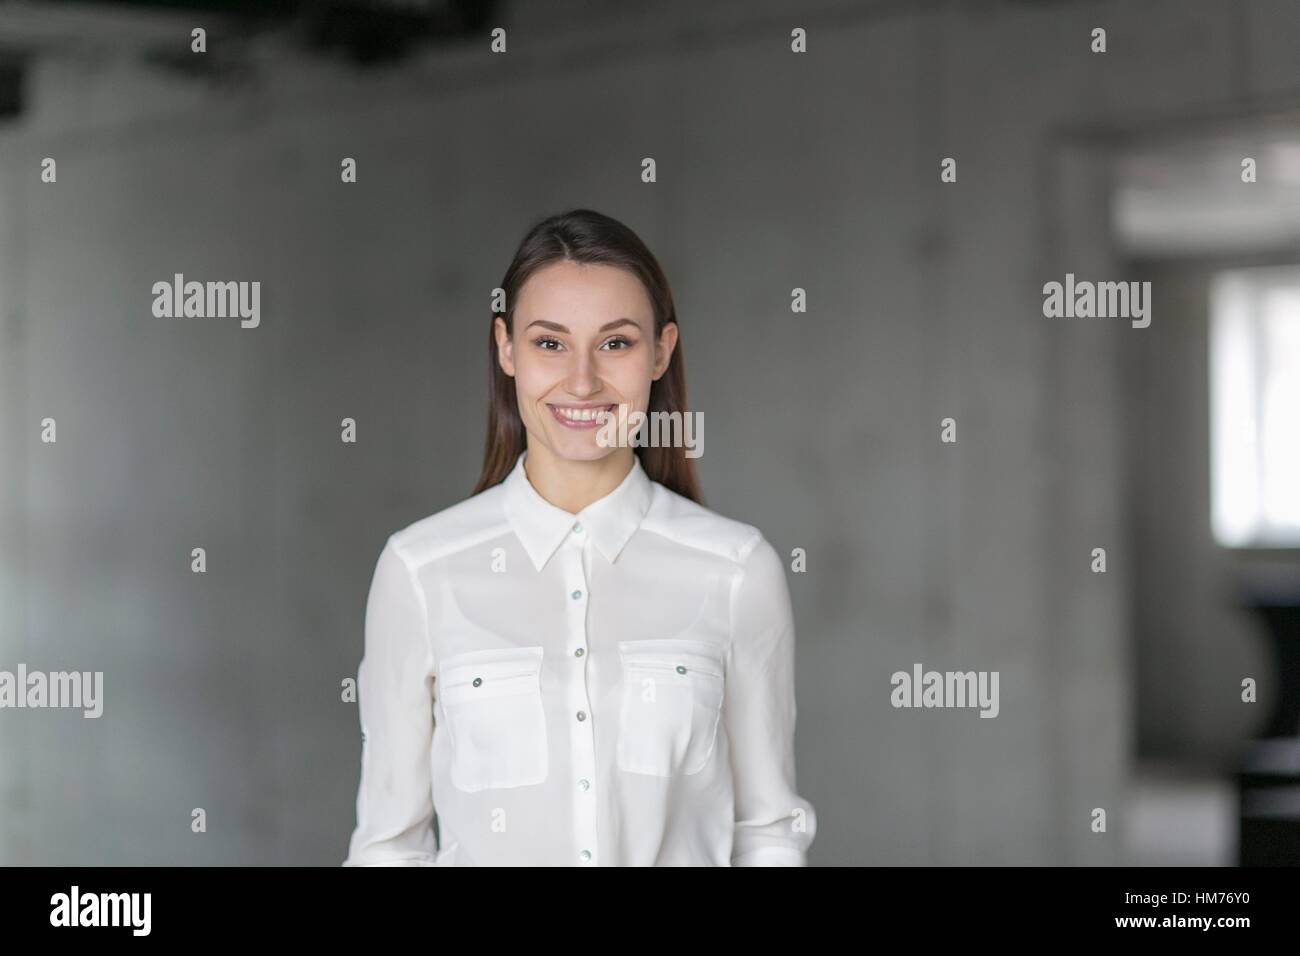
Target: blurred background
(1176, 447)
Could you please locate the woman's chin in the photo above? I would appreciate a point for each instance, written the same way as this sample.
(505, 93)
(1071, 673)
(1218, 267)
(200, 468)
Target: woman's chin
(580, 447)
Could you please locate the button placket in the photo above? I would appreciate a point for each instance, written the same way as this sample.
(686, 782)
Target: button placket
(582, 734)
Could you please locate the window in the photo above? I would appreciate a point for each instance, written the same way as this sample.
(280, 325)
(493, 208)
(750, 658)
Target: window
(1255, 407)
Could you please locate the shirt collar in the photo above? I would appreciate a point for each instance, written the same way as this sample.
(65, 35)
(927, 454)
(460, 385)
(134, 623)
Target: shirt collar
(610, 521)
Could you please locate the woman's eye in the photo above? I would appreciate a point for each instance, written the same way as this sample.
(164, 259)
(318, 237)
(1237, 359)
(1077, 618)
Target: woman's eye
(549, 343)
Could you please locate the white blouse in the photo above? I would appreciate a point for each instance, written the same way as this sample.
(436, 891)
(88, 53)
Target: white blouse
(612, 688)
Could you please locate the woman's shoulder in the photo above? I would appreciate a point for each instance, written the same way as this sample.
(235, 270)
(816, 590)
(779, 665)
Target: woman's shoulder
(455, 527)
(694, 525)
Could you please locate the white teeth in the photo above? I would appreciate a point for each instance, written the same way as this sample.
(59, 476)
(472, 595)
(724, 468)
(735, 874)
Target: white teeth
(580, 414)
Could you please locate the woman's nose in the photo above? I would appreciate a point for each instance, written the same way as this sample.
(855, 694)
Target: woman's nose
(583, 376)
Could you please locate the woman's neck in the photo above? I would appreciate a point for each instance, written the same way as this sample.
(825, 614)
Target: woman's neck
(572, 485)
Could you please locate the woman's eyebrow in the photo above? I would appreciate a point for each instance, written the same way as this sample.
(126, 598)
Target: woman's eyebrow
(556, 327)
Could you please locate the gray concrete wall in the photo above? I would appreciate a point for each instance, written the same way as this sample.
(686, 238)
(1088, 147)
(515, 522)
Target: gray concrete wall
(775, 171)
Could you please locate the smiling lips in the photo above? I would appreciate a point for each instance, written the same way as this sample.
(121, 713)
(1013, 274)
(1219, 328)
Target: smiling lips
(580, 416)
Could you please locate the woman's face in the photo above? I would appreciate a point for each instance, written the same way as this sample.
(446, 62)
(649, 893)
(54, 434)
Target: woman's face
(583, 343)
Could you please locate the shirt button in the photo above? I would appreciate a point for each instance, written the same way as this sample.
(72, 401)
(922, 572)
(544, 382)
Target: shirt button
(582, 715)
(478, 681)
(585, 855)
(681, 669)
(576, 595)
(579, 652)
(584, 784)
(578, 528)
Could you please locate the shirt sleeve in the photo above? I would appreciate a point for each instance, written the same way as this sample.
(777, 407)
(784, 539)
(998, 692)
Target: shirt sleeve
(395, 703)
(774, 826)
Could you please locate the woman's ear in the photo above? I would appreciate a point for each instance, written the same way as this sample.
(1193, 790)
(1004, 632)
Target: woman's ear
(664, 349)
(505, 348)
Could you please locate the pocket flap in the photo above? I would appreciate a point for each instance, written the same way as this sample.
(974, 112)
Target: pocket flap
(671, 653)
(489, 673)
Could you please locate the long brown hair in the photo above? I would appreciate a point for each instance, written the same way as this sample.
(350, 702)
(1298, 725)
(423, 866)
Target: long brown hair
(583, 235)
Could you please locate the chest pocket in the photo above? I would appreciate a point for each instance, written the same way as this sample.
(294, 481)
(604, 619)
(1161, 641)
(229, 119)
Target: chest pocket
(493, 702)
(671, 704)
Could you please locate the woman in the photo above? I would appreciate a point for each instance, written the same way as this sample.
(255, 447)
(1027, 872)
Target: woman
(580, 664)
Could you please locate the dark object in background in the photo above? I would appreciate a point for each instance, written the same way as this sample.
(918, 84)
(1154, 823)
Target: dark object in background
(1268, 783)
(11, 87)
(1268, 786)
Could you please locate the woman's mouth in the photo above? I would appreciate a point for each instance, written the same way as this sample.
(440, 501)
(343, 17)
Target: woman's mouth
(580, 416)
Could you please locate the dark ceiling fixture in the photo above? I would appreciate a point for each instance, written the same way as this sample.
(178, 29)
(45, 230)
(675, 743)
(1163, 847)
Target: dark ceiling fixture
(366, 31)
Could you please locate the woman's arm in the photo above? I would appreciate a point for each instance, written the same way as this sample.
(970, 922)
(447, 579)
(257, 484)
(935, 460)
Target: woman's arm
(774, 825)
(394, 686)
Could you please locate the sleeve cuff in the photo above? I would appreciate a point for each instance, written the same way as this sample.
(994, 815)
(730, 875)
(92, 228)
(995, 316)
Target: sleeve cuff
(771, 856)
(400, 861)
